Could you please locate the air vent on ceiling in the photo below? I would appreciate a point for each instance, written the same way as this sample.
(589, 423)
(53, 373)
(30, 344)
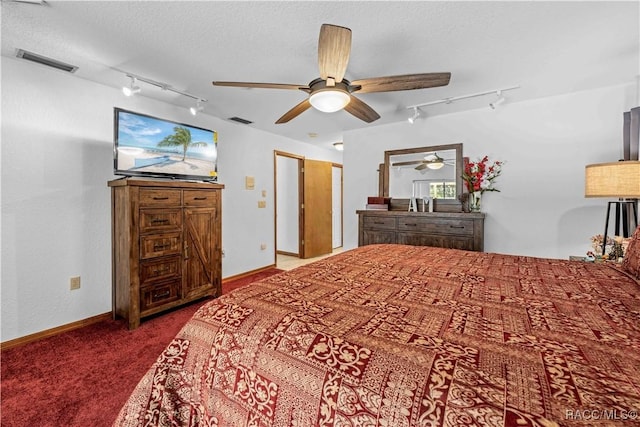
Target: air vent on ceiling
(49, 62)
(241, 120)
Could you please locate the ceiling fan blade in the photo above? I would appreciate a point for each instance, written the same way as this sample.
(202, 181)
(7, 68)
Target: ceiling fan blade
(361, 110)
(295, 111)
(421, 166)
(402, 82)
(334, 48)
(408, 163)
(263, 85)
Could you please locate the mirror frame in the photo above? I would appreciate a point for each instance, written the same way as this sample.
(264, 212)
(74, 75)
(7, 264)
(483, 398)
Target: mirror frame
(384, 188)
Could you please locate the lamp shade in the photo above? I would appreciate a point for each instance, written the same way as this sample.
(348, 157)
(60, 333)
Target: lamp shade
(615, 179)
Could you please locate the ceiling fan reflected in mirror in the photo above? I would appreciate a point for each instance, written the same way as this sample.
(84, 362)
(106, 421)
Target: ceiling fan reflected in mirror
(431, 161)
(332, 92)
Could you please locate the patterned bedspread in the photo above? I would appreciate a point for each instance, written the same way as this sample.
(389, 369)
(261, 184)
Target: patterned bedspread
(392, 335)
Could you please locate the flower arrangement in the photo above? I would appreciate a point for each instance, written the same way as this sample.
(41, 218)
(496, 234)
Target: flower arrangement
(598, 239)
(616, 247)
(479, 176)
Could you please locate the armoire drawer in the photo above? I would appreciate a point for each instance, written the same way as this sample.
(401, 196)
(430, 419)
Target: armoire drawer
(159, 294)
(160, 269)
(199, 198)
(156, 245)
(160, 197)
(155, 220)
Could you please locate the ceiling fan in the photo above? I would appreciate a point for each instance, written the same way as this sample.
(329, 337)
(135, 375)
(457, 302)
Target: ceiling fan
(431, 161)
(332, 92)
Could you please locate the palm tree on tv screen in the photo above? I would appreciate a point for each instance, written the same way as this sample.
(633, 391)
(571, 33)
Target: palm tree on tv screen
(181, 137)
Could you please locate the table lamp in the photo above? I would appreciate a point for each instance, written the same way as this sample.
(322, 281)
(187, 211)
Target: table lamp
(616, 179)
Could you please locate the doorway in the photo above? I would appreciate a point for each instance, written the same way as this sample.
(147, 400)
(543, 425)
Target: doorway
(288, 203)
(306, 192)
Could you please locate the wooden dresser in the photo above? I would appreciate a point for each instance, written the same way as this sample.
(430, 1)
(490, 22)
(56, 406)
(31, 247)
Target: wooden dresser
(442, 229)
(166, 242)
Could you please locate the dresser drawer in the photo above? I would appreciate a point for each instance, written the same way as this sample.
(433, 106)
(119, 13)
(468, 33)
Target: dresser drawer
(379, 223)
(199, 198)
(159, 197)
(159, 294)
(441, 241)
(457, 227)
(162, 269)
(155, 220)
(156, 245)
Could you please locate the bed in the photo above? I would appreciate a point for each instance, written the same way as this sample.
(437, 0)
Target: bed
(394, 335)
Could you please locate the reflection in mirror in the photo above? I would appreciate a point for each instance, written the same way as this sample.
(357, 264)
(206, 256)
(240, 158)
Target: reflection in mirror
(433, 171)
(423, 175)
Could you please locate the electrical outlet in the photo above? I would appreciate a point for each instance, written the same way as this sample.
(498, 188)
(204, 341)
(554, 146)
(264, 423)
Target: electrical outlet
(74, 283)
(263, 246)
(262, 203)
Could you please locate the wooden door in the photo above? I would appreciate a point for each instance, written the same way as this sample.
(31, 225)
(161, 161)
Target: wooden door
(317, 208)
(200, 236)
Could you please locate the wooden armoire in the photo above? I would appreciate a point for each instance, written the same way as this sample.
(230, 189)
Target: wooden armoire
(166, 243)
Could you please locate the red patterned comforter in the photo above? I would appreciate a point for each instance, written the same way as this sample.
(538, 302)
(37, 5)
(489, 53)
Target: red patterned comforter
(391, 335)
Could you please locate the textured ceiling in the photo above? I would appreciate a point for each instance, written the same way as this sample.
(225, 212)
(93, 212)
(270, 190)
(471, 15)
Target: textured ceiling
(547, 48)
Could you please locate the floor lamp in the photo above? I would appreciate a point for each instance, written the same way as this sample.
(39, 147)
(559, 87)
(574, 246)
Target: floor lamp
(620, 180)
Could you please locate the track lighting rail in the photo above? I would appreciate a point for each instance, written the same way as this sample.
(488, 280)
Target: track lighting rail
(164, 86)
(498, 92)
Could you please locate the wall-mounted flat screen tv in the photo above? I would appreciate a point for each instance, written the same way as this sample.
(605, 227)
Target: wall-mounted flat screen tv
(154, 147)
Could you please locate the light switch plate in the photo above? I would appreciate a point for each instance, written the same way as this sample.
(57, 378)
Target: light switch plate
(249, 182)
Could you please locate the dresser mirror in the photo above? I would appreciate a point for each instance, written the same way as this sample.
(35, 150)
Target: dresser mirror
(433, 171)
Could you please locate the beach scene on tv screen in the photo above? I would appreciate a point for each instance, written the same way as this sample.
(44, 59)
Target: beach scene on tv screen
(149, 145)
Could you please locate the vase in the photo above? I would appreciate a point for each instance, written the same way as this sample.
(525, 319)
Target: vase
(474, 201)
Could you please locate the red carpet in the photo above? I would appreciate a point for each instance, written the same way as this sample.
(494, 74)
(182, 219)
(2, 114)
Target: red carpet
(83, 377)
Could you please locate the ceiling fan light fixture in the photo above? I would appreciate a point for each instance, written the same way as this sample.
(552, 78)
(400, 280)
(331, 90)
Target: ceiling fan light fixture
(329, 100)
(434, 161)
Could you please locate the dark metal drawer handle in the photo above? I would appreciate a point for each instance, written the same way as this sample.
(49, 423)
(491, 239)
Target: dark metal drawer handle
(199, 198)
(379, 222)
(159, 221)
(161, 270)
(456, 226)
(160, 198)
(410, 225)
(162, 246)
(162, 295)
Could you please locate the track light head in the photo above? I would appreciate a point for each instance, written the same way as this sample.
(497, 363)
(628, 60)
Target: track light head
(498, 101)
(132, 89)
(197, 108)
(416, 114)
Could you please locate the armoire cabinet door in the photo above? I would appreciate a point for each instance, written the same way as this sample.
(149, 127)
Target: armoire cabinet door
(200, 250)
